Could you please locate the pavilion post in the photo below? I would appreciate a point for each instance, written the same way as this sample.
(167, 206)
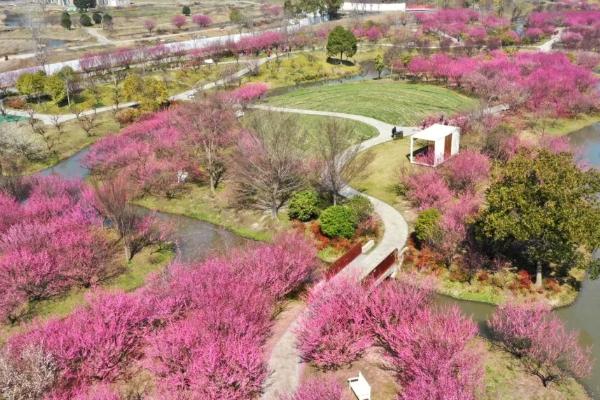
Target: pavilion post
(411, 149)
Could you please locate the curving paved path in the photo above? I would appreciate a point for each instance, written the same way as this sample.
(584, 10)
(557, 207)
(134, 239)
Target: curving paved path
(48, 119)
(285, 361)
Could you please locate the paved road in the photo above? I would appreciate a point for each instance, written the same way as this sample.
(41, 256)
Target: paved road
(285, 359)
(190, 44)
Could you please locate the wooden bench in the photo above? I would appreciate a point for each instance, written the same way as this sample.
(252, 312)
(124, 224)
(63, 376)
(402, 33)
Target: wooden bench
(360, 387)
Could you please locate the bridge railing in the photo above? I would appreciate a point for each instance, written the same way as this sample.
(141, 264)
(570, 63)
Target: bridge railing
(381, 268)
(343, 261)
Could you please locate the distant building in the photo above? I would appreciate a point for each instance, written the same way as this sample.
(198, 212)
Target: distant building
(99, 3)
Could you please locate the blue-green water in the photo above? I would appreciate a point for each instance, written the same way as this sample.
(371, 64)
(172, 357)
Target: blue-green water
(10, 118)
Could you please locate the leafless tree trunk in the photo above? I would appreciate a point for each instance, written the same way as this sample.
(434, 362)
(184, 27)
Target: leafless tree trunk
(336, 151)
(269, 161)
(39, 129)
(136, 230)
(57, 123)
(88, 122)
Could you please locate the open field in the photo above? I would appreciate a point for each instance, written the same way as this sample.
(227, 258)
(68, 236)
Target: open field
(399, 103)
(382, 175)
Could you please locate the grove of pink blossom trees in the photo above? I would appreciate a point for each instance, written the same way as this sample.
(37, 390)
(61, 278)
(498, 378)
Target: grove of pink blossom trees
(197, 329)
(469, 27)
(50, 241)
(430, 350)
(581, 25)
(530, 80)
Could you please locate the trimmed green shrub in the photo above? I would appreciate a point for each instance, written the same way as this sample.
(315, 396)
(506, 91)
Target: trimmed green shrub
(427, 226)
(304, 206)
(85, 20)
(186, 10)
(65, 20)
(360, 206)
(97, 17)
(338, 221)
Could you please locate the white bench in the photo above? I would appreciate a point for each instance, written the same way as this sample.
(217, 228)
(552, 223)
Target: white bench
(360, 387)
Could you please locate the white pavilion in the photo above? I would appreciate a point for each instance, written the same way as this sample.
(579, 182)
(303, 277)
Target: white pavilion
(442, 142)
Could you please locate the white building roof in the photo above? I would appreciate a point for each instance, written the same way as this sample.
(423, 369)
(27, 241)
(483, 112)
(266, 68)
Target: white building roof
(435, 132)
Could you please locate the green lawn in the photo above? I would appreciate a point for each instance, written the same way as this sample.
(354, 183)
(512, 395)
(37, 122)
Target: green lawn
(399, 103)
(381, 176)
(357, 131)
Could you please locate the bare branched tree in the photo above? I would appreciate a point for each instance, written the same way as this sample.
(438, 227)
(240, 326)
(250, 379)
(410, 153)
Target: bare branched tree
(37, 25)
(136, 230)
(40, 130)
(57, 123)
(268, 162)
(88, 122)
(337, 151)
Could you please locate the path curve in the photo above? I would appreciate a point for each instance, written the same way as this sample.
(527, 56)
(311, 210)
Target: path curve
(285, 361)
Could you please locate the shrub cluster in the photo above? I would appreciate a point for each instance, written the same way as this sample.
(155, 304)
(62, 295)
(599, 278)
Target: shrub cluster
(304, 206)
(338, 221)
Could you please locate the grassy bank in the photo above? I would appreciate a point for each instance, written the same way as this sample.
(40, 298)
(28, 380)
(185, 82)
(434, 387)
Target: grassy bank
(197, 202)
(399, 103)
(72, 139)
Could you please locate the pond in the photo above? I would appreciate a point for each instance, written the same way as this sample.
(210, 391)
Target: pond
(583, 314)
(15, 20)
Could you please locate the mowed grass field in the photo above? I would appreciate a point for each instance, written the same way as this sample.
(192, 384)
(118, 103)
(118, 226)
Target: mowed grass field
(399, 103)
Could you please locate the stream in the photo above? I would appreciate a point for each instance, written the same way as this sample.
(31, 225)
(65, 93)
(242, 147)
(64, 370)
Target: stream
(197, 239)
(194, 239)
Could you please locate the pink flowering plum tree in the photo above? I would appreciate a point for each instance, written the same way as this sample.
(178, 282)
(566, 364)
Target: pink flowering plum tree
(428, 189)
(57, 243)
(93, 344)
(202, 20)
(247, 93)
(548, 350)
(435, 357)
(179, 21)
(332, 332)
(466, 170)
(150, 25)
